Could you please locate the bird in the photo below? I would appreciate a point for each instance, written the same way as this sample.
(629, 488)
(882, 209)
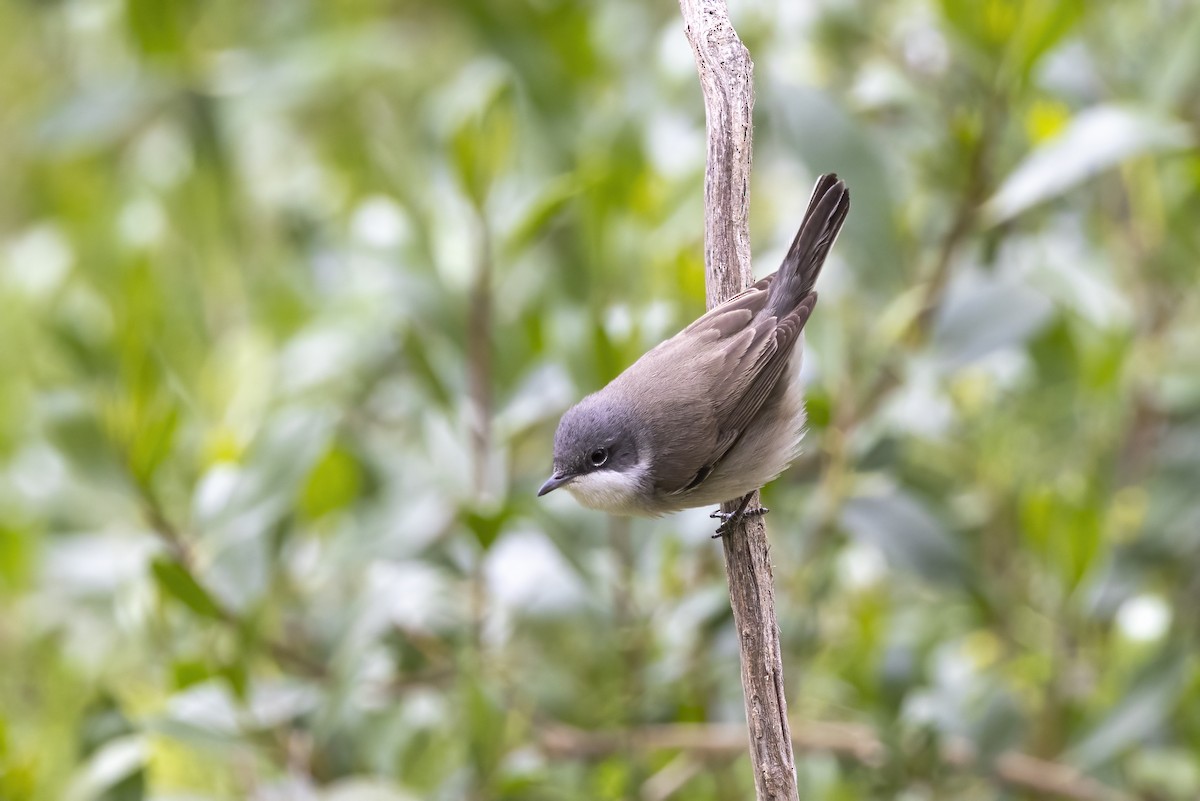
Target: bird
(716, 411)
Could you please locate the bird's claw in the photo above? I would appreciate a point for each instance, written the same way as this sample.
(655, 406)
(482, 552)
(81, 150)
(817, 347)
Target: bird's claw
(728, 518)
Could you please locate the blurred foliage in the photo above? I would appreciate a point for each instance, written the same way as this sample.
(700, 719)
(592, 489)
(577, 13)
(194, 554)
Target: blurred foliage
(294, 291)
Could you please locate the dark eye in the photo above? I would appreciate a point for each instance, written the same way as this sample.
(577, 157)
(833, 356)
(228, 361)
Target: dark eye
(599, 456)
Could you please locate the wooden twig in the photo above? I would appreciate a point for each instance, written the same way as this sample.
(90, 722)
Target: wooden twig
(727, 81)
(726, 78)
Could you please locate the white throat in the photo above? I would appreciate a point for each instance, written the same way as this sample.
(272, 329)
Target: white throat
(618, 493)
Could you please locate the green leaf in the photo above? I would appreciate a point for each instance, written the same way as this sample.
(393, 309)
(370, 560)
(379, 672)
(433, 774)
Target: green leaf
(1177, 70)
(1011, 35)
(15, 553)
(484, 719)
(984, 23)
(1096, 140)
(981, 314)
(334, 483)
(116, 772)
(151, 442)
(908, 535)
(186, 672)
(486, 525)
(159, 27)
(1042, 26)
(237, 676)
(177, 582)
(1140, 714)
(103, 720)
(549, 203)
(76, 432)
(482, 142)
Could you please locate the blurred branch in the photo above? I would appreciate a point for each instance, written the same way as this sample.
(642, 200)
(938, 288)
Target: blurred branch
(479, 388)
(1052, 778)
(726, 80)
(853, 741)
(181, 553)
(176, 543)
(479, 358)
(965, 216)
(632, 640)
(283, 651)
(672, 777)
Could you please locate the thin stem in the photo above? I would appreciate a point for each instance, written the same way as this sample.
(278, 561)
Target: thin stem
(726, 80)
(479, 360)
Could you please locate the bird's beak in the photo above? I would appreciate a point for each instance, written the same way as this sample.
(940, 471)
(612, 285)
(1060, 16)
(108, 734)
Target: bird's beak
(554, 482)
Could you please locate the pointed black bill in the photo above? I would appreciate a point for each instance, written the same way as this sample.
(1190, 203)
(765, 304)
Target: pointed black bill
(554, 482)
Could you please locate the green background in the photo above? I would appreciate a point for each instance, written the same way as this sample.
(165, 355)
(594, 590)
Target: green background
(293, 292)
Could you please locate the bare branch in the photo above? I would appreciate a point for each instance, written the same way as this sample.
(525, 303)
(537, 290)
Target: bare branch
(855, 741)
(726, 79)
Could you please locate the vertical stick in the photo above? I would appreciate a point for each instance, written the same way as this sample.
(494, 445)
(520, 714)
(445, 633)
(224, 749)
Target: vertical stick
(726, 78)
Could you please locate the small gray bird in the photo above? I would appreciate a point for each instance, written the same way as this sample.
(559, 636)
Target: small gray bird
(714, 412)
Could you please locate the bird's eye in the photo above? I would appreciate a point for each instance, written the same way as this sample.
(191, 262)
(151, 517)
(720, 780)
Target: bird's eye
(599, 456)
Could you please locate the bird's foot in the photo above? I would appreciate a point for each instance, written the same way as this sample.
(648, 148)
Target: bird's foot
(729, 518)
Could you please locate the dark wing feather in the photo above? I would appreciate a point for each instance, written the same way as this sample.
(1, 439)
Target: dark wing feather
(704, 351)
(753, 299)
(742, 364)
(796, 277)
(747, 397)
(824, 184)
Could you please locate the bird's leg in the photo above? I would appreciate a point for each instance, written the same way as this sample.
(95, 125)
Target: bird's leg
(728, 517)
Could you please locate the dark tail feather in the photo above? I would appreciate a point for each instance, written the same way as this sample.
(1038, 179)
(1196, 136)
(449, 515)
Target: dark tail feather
(797, 275)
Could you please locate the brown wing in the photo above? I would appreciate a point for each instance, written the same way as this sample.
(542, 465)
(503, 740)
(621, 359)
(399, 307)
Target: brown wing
(734, 359)
(677, 388)
(753, 384)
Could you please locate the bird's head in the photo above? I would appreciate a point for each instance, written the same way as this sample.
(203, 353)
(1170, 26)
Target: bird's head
(597, 457)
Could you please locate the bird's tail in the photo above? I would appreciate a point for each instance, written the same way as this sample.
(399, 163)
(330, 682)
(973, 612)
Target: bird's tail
(798, 274)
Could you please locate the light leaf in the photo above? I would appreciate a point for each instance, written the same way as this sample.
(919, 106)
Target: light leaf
(113, 762)
(177, 582)
(908, 534)
(1139, 715)
(364, 790)
(983, 313)
(1097, 139)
